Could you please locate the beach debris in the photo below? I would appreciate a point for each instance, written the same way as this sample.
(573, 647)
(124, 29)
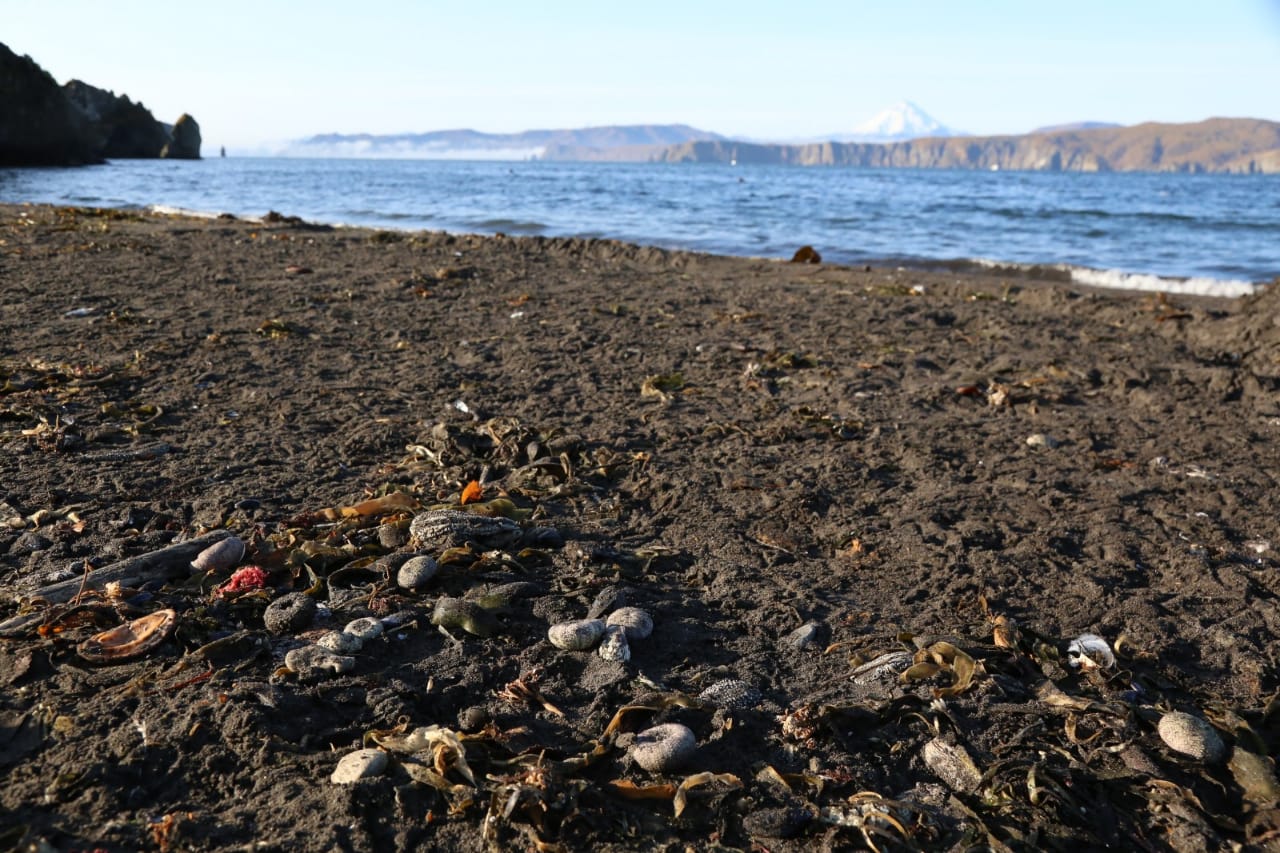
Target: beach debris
(614, 646)
(732, 694)
(951, 763)
(1040, 439)
(361, 764)
(803, 637)
(244, 579)
(445, 528)
(664, 386)
(806, 255)
(219, 556)
(364, 629)
(471, 493)
(289, 613)
(637, 623)
(943, 658)
(578, 635)
(131, 640)
(1191, 736)
(608, 599)
(297, 269)
(311, 663)
(681, 798)
(1088, 652)
(416, 572)
(340, 642)
(664, 748)
(887, 665)
(459, 613)
(166, 563)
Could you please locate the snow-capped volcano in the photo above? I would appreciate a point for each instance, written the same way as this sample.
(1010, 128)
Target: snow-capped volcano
(903, 120)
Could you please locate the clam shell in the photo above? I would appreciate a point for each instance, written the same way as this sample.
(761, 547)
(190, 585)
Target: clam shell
(614, 646)
(219, 556)
(1089, 651)
(664, 748)
(129, 640)
(1192, 736)
(576, 636)
(636, 622)
(361, 764)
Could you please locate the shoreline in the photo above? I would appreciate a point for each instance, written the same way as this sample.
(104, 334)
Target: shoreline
(794, 469)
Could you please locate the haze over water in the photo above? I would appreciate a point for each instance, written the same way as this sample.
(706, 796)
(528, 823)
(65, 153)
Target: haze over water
(1218, 231)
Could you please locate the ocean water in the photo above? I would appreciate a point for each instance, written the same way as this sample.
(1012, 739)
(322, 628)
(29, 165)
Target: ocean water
(1217, 234)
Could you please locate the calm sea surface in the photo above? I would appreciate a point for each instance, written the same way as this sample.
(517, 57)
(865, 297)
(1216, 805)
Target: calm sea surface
(1219, 233)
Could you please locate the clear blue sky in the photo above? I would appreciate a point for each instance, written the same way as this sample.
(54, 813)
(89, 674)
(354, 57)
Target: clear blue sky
(253, 73)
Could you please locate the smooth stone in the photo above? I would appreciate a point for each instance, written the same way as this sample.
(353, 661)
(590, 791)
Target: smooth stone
(636, 622)
(340, 642)
(664, 748)
(1042, 440)
(221, 555)
(803, 637)
(361, 764)
(416, 572)
(311, 663)
(289, 613)
(576, 636)
(366, 628)
(1191, 736)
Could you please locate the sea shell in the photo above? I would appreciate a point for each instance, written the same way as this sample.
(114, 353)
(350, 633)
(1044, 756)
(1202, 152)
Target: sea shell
(366, 628)
(129, 640)
(614, 646)
(732, 694)
(416, 572)
(664, 748)
(289, 613)
(1192, 736)
(636, 622)
(361, 764)
(576, 636)
(312, 663)
(1089, 651)
(219, 556)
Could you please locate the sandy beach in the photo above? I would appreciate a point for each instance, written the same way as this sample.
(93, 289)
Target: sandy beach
(797, 470)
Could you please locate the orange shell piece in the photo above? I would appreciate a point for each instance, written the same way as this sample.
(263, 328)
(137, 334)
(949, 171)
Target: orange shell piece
(129, 640)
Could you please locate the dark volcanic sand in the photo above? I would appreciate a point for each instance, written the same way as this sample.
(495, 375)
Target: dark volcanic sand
(842, 447)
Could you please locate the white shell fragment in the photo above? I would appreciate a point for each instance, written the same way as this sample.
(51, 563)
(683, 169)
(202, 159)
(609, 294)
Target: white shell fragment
(1089, 651)
(1192, 736)
(312, 663)
(219, 556)
(576, 636)
(614, 646)
(664, 748)
(361, 764)
(1042, 440)
(365, 629)
(636, 622)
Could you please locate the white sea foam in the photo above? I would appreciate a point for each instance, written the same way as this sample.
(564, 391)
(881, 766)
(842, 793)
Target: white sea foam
(170, 210)
(1121, 280)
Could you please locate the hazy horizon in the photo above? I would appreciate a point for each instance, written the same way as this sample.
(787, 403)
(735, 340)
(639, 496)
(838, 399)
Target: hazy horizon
(256, 75)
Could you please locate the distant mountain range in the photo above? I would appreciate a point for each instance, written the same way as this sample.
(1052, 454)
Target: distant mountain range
(901, 136)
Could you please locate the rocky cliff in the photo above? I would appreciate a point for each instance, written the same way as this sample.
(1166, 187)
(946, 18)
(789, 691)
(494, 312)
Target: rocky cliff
(1214, 145)
(44, 124)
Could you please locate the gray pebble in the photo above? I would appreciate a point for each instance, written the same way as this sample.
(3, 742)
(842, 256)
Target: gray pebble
(311, 663)
(803, 637)
(361, 764)
(289, 613)
(29, 543)
(340, 642)
(392, 536)
(416, 572)
(576, 636)
(1192, 736)
(614, 647)
(472, 719)
(664, 748)
(365, 629)
(637, 623)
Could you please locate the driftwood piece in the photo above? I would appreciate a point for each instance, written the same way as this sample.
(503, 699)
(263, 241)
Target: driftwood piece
(167, 563)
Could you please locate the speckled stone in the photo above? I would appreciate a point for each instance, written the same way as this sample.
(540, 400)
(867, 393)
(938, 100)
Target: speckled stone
(340, 642)
(614, 646)
(312, 663)
(732, 694)
(416, 572)
(636, 622)
(577, 635)
(664, 748)
(366, 628)
(1191, 736)
(289, 613)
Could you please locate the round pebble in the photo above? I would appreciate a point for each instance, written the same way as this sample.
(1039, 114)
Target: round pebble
(312, 663)
(636, 622)
(803, 637)
(416, 572)
(1042, 440)
(361, 764)
(392, 536)
(289, 613)
(366, 628)
(1192, 736)
(472, 719)
(340, 642)
(732, 694)
(576, 636)
(664, 748)
(221, 555)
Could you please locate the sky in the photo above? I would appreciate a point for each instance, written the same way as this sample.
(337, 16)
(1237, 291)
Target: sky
(257, 74)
